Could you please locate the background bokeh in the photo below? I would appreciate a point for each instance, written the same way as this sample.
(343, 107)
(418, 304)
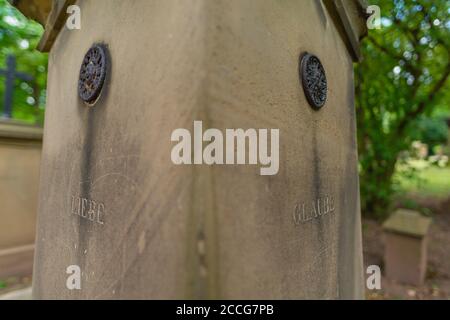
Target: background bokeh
(19, 36)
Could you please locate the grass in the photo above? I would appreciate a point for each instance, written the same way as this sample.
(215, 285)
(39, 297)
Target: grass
(432, 181)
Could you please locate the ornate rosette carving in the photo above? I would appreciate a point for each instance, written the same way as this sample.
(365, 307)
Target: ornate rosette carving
(314, 80)
(92, 74)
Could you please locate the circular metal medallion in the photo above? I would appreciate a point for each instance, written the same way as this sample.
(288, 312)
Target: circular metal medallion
(92, 74)
(314, 80)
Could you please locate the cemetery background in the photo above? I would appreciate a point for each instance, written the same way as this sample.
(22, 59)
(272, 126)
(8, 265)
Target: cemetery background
(405, 67)
(22, 93)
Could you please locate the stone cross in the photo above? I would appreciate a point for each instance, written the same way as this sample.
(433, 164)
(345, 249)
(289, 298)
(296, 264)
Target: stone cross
(11, 74)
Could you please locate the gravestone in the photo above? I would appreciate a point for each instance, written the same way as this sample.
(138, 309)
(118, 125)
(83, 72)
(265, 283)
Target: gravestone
(137, 225)
(406, 240)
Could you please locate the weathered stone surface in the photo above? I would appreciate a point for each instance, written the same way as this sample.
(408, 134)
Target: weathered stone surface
(407, 222)
(406, 238)
(172, 231)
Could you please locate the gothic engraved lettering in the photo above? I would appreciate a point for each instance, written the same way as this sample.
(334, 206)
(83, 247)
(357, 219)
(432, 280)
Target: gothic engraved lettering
(88, 209)
(307, 211)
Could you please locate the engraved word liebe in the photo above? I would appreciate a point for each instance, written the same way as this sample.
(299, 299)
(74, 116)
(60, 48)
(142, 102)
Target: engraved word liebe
(235, 144)
(88, 209)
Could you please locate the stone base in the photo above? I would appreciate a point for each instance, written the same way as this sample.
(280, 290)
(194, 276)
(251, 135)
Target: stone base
(405, 258)
(22, 294)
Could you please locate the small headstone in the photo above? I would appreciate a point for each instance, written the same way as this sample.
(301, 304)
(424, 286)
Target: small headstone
(405, 235)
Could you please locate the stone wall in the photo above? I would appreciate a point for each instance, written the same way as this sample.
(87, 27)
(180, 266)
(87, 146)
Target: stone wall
(20, 151)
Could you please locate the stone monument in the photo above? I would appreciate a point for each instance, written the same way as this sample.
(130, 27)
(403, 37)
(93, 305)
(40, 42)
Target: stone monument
(114, 204)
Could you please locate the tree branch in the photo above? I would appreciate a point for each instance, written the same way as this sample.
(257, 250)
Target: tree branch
(422, 105)
(408, 65)
(384, 49)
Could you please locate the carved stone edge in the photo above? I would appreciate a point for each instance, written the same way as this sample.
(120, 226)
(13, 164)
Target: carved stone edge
(55, 22)
(37, 10)
(350, 18)
(52, 19)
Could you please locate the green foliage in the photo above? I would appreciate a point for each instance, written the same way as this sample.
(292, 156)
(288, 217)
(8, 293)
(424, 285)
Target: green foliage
(20, 36)
(404, 75)
(410, 204)
(431, 131)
